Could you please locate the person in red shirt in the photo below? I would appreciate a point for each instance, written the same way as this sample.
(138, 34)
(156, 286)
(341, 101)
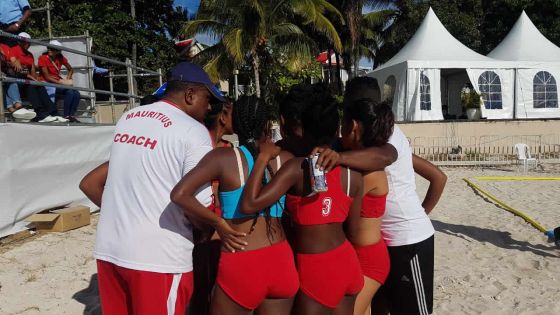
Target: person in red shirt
(12, 97)
(50, 64)
(37, 95)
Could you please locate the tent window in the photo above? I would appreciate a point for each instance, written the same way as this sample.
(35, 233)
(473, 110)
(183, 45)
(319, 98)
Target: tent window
(425, 99)
(490, 89)
(545, 91)
(389, 88)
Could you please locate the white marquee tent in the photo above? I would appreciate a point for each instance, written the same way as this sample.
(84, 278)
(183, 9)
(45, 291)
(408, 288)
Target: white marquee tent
(537, 69)
(431, 70)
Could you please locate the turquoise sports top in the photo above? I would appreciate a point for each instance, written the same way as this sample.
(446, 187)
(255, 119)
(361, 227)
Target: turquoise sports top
(230, 200)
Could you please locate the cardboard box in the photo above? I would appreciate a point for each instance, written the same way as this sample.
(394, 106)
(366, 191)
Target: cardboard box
(61, 220)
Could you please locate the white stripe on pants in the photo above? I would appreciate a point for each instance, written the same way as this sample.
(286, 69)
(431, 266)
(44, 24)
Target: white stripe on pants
(172, 297)
(418, 285)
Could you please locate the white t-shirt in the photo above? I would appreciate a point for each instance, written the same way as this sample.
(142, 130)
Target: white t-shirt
(139, 227)
(405, 222)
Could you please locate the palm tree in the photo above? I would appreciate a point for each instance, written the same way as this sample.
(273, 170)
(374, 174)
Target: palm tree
(363, 33)
(252, 29)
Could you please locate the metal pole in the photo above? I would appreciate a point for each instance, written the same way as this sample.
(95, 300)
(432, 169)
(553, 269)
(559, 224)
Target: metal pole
(134, 47)
(160, 77)
(133, 14)
(78, 52)
(49, 25)
(515, 96)
(90, 70)
(77, 88)
(235, 90)
(2, 117)
(112, 98)
(130, 81)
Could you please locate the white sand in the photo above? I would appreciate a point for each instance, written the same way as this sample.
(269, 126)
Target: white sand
(487, 260)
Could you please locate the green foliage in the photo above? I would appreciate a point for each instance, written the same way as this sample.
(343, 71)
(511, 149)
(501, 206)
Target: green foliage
(113, 31)
(279, 80)
(258, 33)
(470, 98)
(285, 79)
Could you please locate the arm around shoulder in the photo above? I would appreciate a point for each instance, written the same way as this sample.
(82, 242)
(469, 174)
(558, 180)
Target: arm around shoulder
(370, 159)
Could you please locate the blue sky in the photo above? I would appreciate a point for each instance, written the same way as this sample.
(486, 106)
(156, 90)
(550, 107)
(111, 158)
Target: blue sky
(192, 6)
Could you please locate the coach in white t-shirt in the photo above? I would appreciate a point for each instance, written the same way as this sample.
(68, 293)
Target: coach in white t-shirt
(144, 242)
(406, 227)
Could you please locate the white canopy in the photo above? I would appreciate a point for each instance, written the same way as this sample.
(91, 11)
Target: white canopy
(433, 45)
(537, 69)
(435, 64)
(526, 43)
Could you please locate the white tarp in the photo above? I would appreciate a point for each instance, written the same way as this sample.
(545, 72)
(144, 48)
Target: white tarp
(431, 108)
(43, 165)
(525, 94)
(506, 79)
(532, 53)
(431, 49)
(525, 42)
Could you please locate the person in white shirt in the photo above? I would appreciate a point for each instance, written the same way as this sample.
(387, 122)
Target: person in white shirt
(406, 227)
(144, 241)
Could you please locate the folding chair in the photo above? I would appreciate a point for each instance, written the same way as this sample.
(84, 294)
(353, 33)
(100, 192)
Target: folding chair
(524, 156)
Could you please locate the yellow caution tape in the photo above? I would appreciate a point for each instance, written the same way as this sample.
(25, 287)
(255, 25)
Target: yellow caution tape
(515, 178)
(527, 218)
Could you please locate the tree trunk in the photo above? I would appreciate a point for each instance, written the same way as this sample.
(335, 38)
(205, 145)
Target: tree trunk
(348, 62)
(256, 74)
(338, 78)
(356, 64)
(353, 12)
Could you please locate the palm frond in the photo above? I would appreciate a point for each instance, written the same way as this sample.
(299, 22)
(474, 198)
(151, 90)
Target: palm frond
(218, 65)
(233, 43)
(325, 26)
(378, 19)
(203, 26)
(286, 29)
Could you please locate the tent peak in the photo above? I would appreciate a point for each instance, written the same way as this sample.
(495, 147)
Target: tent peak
(432, 42)
(525, 42)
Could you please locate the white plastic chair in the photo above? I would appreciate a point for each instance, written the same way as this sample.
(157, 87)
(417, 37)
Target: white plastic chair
(524, 155)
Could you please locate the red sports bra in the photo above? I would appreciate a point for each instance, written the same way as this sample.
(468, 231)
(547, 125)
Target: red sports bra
(373, 206)
(331, 206)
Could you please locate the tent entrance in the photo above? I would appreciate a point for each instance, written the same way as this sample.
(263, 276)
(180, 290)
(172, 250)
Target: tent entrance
(452, 82)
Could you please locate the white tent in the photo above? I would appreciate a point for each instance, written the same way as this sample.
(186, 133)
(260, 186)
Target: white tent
(435, 64)
(537, 69)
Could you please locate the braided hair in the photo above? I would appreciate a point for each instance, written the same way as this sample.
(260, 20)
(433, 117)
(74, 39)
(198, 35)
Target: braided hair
(250, 118)
(377, 120)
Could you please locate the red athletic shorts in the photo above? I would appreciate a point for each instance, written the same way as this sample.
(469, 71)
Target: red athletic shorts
(128, 291)
(374, 260)
(251, 276)
(327, 277)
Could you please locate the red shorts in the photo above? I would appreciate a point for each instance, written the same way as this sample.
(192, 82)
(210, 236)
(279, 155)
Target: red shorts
(251, 276)
(128, 291)
(374, 260)
(327, 277)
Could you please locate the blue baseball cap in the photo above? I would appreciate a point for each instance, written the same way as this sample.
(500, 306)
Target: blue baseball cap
(190, 72)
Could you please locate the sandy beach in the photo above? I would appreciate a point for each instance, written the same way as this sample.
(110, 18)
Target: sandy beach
(487, 261)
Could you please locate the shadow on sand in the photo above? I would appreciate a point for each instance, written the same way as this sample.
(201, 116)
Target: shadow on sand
(90, 297)
(497, 238)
